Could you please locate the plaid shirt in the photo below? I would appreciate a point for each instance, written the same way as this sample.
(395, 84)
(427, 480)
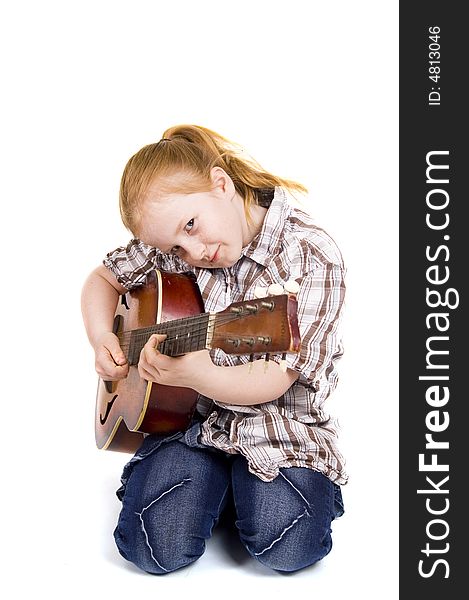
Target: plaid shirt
(295, 429)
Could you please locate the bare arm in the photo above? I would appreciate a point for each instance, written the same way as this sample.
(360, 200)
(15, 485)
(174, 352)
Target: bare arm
(246, 385)
(99, 299)
(242, 384)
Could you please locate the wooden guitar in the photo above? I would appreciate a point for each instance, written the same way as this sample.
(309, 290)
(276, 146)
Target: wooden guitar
(171, 304)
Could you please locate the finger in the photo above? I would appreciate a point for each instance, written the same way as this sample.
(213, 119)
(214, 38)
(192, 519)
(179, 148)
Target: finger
(154, 340)
(149, 374)
(152, 359)
(116, 353)
(112, 373)
(150, 352)
(152, 363)
(107, 367)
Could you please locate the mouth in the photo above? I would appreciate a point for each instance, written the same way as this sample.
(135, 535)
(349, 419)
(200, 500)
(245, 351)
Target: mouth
(215, 256)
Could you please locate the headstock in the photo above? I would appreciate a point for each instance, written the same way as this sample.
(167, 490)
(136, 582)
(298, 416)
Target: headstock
(259, 326)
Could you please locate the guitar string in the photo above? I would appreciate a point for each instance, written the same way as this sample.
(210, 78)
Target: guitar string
(182, 341)
(171, 349)
(200, 316)
(185, 322)
(198, 336)
(174, 327)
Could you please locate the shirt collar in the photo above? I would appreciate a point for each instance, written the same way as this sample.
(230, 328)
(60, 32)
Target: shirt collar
(267, 243)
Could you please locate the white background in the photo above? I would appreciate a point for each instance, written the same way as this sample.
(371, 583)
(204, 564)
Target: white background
(309, 88)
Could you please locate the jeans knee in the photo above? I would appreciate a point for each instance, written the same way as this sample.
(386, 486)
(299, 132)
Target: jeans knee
(154, 540)
(297, 547)
(289, 560)
(147, 553)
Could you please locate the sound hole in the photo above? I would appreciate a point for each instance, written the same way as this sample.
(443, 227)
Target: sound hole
(124, 301)
(116, 328)
(102, 419)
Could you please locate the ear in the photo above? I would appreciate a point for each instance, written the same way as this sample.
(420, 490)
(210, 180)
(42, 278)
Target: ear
(221, 181)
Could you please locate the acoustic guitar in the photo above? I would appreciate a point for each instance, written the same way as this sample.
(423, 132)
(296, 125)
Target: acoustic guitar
(171, 304)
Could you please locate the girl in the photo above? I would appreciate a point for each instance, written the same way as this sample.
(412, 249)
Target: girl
(261, 440)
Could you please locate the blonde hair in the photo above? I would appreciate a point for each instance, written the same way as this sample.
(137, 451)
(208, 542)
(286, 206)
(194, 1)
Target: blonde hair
(182, 161)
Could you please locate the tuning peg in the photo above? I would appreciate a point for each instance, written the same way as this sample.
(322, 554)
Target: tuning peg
(260, 291)
(266, 363)
(270, 305)
(251, 308)
(275, 289)
(251, 360)
(283, 363)
(292, 286)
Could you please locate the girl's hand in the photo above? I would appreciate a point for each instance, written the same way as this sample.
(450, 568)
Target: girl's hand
(110, 362)
(185, 371)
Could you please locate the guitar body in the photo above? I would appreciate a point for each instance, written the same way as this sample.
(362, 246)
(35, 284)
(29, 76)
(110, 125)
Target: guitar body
(130, 407)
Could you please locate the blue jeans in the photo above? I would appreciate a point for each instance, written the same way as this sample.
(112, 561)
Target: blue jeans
(174, 491)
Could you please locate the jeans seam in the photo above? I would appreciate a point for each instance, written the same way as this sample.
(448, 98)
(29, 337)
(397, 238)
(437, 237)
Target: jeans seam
(305, 512)
(142, 522)
(300, 494)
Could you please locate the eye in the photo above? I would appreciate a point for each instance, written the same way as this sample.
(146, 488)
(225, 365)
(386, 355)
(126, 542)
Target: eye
(189, 225)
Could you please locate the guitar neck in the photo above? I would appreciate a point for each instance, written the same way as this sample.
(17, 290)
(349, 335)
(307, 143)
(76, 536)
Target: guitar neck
(252, 327)
(183, 336)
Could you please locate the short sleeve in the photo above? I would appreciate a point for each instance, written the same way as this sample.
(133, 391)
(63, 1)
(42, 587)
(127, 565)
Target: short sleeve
(320, 307)
(131, 264)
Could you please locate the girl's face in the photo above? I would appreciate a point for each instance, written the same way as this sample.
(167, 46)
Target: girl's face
(206, 229)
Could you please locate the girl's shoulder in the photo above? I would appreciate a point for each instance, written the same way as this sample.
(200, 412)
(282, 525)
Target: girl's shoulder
(132, 263)
(303, 235)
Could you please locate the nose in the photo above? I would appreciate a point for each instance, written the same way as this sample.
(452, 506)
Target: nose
(195, 251)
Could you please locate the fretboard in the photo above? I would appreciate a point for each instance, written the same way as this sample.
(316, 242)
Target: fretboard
(183, 336)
